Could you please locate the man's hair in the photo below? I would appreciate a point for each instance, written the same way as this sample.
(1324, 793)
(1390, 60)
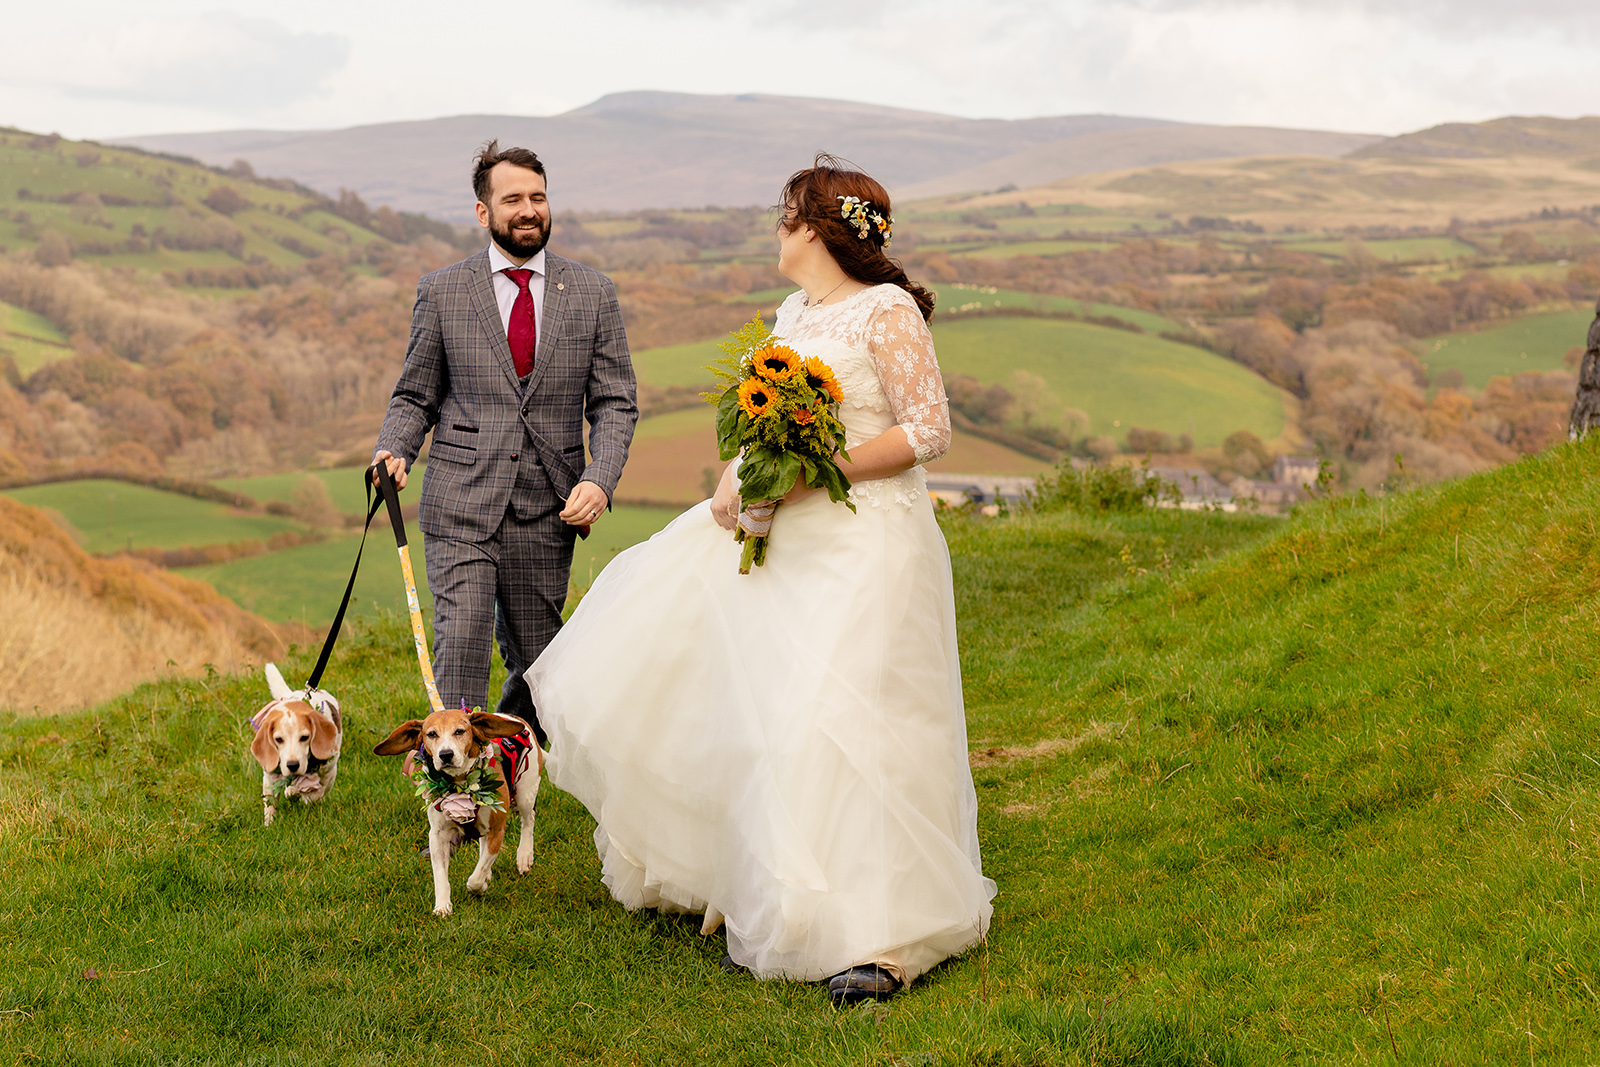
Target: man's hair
(491, 154)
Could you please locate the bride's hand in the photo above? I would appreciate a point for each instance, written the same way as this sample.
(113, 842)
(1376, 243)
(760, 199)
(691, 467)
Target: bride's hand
(725, 502)
(798, 493)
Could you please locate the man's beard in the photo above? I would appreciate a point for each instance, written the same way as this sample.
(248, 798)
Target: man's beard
(519, 247)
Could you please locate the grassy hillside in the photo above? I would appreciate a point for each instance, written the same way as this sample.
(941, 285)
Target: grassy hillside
(304, 583)
(1532, 343)
(1119, 379)
(76, 630)
(133, 209)
(107, 516)
(29, 339)
(1322, 791)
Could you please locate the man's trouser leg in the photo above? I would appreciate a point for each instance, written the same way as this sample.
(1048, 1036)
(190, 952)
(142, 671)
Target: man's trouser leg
(535, 566)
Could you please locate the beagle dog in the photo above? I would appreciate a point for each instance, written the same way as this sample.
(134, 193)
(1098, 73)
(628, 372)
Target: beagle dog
(451, 746)
(297, 744)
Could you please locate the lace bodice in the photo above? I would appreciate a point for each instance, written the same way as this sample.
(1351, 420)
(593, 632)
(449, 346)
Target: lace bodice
(881, 351)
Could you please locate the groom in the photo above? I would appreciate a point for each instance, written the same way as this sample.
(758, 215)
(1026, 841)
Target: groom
(511, 350)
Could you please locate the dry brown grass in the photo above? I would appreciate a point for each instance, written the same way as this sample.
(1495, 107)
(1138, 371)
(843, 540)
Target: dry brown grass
(75, 630)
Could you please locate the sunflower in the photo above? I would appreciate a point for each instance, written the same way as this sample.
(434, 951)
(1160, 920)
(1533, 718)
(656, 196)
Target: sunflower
(804, 416)
(776, 362)
(820, 377)
(755, 397)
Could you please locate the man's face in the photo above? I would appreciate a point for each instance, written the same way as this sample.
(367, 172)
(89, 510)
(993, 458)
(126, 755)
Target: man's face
(517, 215)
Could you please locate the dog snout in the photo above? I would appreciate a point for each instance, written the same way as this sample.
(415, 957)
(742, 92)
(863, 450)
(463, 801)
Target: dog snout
(292, 766)
(447, 757)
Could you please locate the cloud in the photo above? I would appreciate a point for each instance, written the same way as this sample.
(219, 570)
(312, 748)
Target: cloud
(217, 61)
(1446, 18)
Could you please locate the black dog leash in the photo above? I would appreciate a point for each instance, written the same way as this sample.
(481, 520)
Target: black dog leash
(315, 680)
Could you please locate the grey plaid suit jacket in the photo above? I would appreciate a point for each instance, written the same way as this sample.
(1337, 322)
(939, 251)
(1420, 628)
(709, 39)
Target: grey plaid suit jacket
(459, 381)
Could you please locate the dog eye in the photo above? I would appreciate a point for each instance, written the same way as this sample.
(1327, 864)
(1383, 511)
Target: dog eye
(433, 733)
(459, 731)
(304, 736)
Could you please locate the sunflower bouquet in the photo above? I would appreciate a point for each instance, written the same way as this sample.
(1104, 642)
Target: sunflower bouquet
(781, 414)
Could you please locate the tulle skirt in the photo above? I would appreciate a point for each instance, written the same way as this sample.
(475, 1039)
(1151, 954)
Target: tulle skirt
(786, 748)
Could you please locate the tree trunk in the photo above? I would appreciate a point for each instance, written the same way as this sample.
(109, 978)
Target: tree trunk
(1586, 405)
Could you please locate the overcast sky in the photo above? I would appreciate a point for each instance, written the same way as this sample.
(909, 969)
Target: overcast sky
(100, 69)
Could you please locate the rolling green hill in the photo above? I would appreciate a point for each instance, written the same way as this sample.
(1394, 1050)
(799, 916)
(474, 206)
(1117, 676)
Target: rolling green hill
(127, 208)
(304, 583)
(108, 516)
(30, 340)
(1119, 379)
(1254, 792)
(1532, 343)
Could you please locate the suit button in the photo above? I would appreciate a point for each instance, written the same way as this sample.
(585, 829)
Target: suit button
(513, 457)
(524, 411)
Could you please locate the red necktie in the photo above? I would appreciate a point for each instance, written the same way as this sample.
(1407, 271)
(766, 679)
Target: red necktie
(522, 332)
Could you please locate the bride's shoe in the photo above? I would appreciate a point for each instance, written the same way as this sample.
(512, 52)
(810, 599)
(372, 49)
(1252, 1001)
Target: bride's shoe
(870, 982)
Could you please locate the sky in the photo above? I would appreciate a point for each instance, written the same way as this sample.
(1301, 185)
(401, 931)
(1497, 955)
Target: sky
(98, 69)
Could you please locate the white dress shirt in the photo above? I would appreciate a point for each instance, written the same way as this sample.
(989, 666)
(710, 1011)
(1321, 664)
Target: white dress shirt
(505, 290)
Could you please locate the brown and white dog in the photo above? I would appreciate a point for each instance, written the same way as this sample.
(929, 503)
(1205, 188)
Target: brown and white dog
(297, 744)
(453, 744)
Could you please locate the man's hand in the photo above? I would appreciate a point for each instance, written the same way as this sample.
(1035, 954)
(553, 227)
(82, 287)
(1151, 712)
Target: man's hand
(586, 504)
(396, 465)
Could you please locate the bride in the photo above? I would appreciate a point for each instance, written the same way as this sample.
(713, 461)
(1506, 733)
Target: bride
(786, 751)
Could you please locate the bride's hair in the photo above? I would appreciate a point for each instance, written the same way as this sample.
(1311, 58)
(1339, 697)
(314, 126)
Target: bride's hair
(812, 197)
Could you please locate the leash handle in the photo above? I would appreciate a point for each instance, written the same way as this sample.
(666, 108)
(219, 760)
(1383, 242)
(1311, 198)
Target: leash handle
(315, 681)
(391, 498)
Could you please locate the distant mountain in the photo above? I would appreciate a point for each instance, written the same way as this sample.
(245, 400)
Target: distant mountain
(1510, 136)
(1124, 149)
(629, 151)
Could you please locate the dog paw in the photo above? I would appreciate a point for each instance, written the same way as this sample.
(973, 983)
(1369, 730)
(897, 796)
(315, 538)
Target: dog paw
(266, 817)
(443, 909)
(524, 860)
(479, 885)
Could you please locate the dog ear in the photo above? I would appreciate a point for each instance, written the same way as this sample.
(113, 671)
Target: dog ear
(324, 736)
(404, 739)
(263, 748)
(488, 724)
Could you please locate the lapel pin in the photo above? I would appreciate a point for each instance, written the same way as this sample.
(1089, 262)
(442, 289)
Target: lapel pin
(561, 286)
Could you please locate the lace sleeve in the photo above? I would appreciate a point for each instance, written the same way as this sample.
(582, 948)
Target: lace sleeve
(902, 350)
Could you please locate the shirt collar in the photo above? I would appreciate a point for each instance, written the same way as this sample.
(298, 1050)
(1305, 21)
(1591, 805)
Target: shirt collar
(498, 261)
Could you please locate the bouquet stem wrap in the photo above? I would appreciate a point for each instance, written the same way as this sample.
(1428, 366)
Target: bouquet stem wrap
(755, 523)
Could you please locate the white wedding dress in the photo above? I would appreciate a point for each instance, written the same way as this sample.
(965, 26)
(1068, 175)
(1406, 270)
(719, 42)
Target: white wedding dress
(787, 749)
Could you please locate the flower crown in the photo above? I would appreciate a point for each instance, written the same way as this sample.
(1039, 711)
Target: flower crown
(863, 218)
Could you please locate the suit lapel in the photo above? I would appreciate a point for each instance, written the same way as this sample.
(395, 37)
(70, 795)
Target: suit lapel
(555, 304)
(488, 309)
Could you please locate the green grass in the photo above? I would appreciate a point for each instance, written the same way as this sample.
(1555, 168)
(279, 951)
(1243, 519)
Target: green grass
(1398, 250)
(344, 484)
(1005, 250)
(677, 364)
(137, 190)
(107, 516)
(304, 583)
(31, 340)
(1116, 376)
(1321, 791)
(953, 297)
(1533, 343)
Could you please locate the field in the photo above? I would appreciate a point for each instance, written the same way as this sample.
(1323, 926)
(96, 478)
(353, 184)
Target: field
(31, 340)
(107, 516)
(1120, 379)
(1397, 250)
(1533, 343)
(1320, 791)
(303, 584)
(130, 209)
